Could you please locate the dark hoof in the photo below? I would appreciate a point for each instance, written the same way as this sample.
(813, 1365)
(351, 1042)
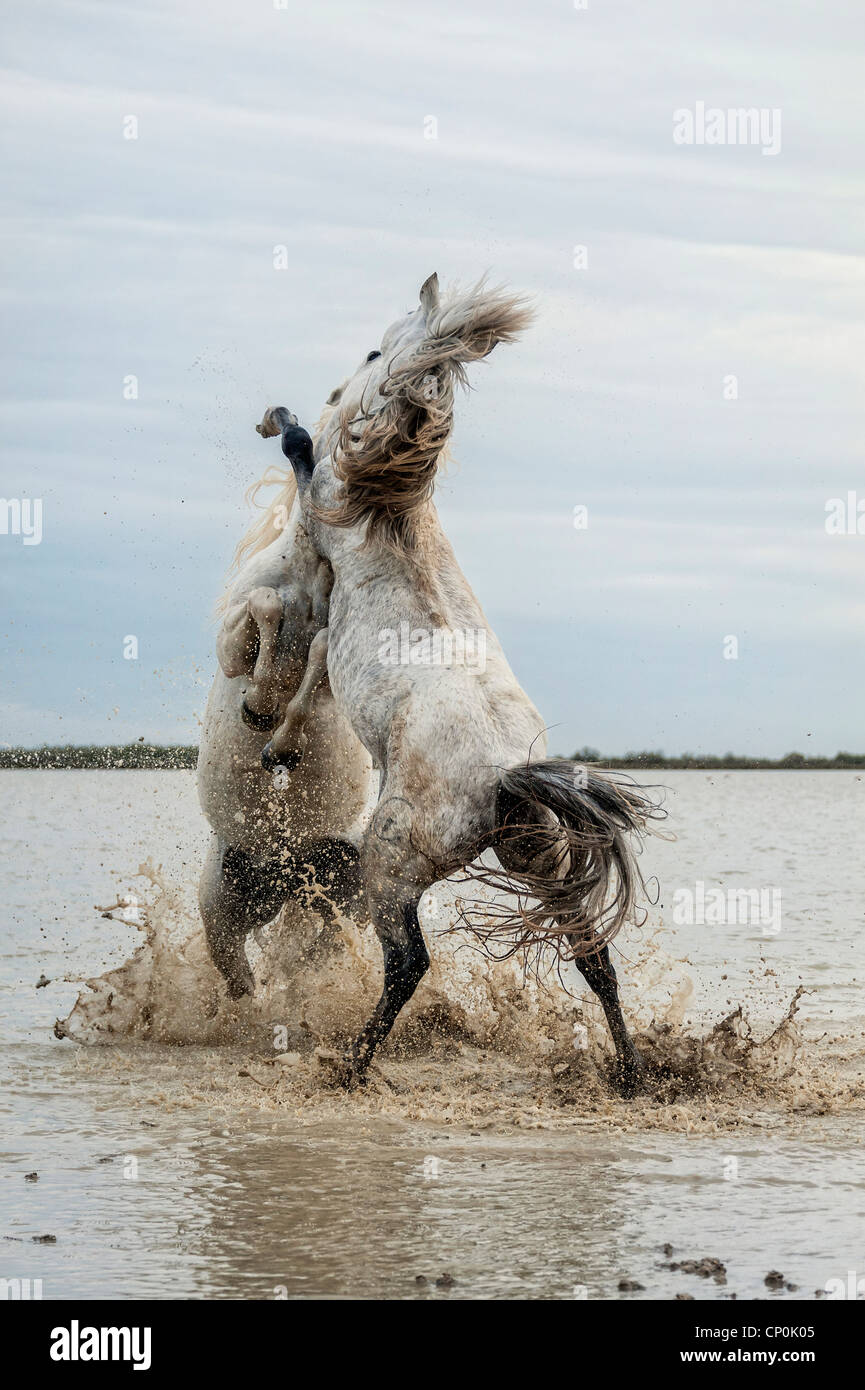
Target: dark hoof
(270, 761)
(276, 417)
(340, 1069)
(240, 985)
(262, 723)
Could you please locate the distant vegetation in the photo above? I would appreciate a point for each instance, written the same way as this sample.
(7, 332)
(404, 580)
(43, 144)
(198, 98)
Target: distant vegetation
(136, 755)
(727, 762)
(153, 756)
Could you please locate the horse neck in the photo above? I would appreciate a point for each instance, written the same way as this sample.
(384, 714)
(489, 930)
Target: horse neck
(428, 574)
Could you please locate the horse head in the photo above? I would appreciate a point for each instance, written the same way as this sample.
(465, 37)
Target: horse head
(386, 427)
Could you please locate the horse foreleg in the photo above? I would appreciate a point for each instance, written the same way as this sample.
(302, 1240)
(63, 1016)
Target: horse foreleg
(260, 708)
(237, 641)
(246, 643)
(287, 746)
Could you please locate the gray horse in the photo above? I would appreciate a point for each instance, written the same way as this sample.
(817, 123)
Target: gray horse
(459, 745)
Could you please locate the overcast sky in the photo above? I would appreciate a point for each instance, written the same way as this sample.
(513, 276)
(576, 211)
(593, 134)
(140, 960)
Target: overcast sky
(306, 127)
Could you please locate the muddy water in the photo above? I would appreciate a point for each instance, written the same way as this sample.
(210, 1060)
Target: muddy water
(189, 1149)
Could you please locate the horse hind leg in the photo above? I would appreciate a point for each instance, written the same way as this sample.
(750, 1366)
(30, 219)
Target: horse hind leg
(329, 878)
(518, 853)
(599, 973)
(238, 893)
(406, 961)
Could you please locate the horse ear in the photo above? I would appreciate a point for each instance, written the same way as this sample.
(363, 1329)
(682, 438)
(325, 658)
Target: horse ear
(429, 294)
(474, 320)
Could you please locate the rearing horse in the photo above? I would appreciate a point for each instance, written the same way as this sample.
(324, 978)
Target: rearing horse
(460, 748)
(291, 836)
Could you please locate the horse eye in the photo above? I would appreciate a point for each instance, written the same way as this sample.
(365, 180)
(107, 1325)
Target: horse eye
(373, 355)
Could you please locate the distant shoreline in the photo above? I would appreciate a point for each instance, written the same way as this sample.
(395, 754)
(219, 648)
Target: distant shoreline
(178, 757)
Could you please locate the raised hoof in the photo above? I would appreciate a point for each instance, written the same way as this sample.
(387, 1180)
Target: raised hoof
(270, 761)
(340, 1069)
(261, 723)
(276, 417)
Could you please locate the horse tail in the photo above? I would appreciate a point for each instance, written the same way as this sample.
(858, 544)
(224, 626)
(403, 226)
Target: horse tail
(567, 840)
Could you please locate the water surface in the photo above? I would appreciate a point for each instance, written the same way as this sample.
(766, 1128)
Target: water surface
(176, 1158)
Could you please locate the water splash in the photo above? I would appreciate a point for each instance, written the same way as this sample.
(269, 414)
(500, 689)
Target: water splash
(479, 1044)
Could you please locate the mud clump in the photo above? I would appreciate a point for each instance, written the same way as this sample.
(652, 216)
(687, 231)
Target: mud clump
(707, 1268)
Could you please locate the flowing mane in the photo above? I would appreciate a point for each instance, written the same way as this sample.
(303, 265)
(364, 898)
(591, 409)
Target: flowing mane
(388, 458)
(263, 529)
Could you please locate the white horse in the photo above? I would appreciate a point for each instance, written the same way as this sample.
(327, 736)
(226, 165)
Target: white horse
(292, 834)
(460, 746)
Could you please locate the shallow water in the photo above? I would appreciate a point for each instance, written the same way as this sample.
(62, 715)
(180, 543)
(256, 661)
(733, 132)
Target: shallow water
(176, 1157)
